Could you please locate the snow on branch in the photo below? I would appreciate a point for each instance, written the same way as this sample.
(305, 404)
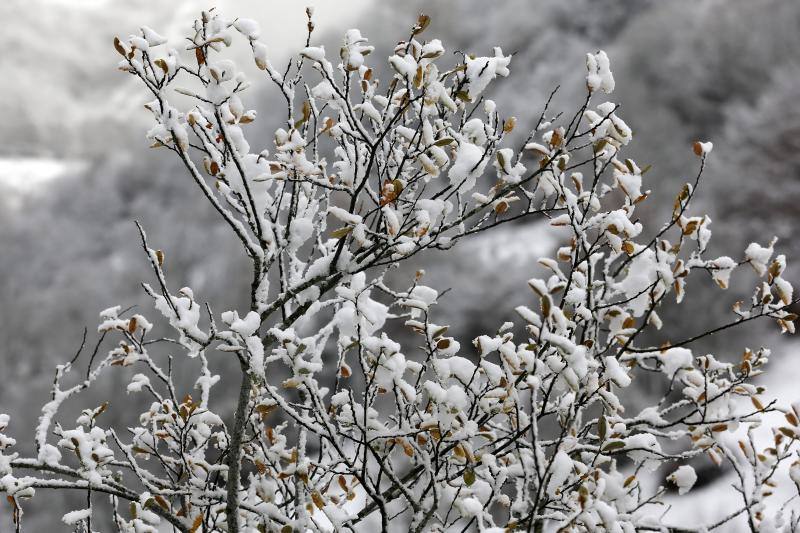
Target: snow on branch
(340, 426)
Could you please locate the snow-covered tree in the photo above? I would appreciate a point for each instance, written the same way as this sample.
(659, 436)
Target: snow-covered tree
(525, 430)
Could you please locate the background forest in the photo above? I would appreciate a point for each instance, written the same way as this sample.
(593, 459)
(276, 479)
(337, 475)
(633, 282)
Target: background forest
(75, 168)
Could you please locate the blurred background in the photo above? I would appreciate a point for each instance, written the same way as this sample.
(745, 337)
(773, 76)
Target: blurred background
(75, 169)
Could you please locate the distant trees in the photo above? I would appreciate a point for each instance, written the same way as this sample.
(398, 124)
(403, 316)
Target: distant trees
(337, 424)
(762, 156)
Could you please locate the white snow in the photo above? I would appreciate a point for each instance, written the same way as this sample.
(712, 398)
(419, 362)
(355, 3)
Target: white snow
(344, 215)
(355, 49)
(759, 256)
(249, 28)
(684, 478)
(482, 70)
(615, 372)
(74, 517)
(560, 471)
(314, 53)
(470, 507)
(599, 76)
(722, 267)
(152, 37)
(467, 166)
(138, 382)
(674, 359)
(704, 147)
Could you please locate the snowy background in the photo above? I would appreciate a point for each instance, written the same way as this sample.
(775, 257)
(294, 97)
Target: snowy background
(75, 170)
